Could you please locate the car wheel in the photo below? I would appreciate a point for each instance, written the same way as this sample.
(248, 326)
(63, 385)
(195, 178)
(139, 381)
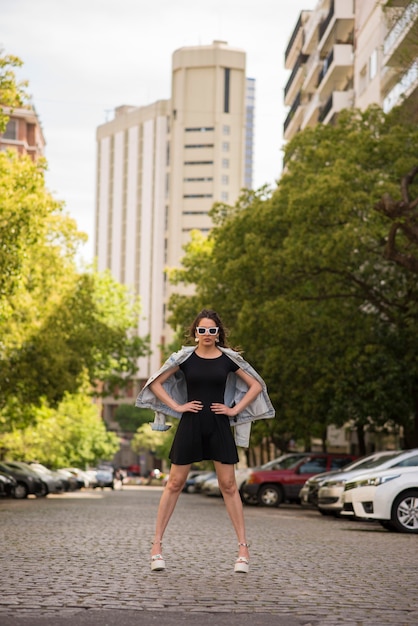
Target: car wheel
(247, 498)
(405, 512)
(21, 491)
(270, 495)
(43, 492)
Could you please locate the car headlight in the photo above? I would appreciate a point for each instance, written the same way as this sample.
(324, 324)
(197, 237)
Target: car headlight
(375, 481)
(334, 483)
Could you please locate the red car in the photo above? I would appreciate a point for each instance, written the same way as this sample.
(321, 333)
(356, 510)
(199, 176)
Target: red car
(272, 487)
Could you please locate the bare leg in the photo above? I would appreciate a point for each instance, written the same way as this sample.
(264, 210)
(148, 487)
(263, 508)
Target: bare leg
(233, 503)
(168, 501)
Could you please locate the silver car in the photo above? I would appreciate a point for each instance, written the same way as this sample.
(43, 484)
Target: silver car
(308, 495)
(330, 494)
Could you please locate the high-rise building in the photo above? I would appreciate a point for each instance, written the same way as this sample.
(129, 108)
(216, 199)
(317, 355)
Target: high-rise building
(351, 53)
(160, 169)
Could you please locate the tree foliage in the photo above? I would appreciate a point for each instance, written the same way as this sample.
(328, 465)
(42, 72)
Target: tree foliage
(12, 92)
(130, 418)
(70, 435)
(60, 325)
(301, 278)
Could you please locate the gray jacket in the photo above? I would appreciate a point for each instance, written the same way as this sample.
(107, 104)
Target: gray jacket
(235, 389)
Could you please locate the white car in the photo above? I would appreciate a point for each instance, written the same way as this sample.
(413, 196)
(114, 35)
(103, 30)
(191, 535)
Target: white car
(389, 496)
(330, 494)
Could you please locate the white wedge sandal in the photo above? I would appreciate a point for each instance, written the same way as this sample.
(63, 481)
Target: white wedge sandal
(242, 564)
(157, 560)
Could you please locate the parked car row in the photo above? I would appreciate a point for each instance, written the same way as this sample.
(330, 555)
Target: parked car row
(20, 480)
(381, 486)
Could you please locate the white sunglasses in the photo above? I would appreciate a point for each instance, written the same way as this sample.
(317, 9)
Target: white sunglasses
(201, 330)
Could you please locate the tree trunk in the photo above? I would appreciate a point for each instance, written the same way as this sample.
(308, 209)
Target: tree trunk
(361, 440)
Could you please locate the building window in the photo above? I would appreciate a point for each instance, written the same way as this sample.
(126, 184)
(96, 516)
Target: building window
(11, 130)
(199, 179)
(224, 196)
(199, 129)
(198, 163)
(199, 145)
(194, 212)
(226, 129)
(227, 77)
(198, 195)
(225, 163)
(225, 146)
(373, 64)
(225, 179)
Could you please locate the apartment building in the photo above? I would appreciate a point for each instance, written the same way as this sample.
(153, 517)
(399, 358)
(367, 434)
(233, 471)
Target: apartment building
(161, 167)
(23, 132)
(351, 53)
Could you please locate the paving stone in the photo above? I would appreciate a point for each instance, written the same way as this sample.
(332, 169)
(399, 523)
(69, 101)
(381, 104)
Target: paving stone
(82, 559)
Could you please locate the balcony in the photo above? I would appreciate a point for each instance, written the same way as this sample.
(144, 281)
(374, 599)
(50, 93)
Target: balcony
(337, 101)
(295, 42)
(403, 89)
(337, 69)
(310, 43)
(400, 46)
(338, 25)
(311, 112)
(295, 80)
(294, 117)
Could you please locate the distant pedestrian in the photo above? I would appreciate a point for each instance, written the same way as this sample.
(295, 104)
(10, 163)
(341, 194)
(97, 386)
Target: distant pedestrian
(210, 387)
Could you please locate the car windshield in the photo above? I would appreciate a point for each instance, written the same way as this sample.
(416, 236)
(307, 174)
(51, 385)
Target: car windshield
(370, 462)
(282, 463)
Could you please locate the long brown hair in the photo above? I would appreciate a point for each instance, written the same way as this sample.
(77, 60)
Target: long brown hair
(211, 315)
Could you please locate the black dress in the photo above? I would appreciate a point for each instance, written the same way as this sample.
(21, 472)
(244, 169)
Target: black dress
(205, 435)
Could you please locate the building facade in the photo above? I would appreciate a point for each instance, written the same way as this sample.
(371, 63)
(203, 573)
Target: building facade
(160, 169)
(351, 53)
(23, 132)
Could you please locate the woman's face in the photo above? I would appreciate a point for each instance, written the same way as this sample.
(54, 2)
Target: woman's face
(207, 332)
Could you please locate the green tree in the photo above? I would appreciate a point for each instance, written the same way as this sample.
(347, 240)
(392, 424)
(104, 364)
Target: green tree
(12, 92)
(302, 281)
(72, 434)
(130, 418)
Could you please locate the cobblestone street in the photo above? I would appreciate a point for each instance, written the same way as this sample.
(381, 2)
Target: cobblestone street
(82, 559)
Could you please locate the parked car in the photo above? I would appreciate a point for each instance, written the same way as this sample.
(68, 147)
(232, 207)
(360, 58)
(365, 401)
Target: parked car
(330, 493)
(28, 483)
(52, 480)
(7, 485)
(272, 487)
(84, 479)
(105, 477)
(211, 487)
(309, 493)
(389, 496)
(199, 480)
(69, 480)
(190, 484)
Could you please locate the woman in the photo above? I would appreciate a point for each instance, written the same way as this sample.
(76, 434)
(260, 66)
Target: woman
(194, 384)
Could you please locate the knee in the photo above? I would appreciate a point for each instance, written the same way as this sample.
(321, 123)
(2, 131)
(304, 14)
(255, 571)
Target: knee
(228, 487)
(175, 485)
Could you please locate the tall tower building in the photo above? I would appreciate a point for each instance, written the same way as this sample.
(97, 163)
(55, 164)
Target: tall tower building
(208, 138)
(161, 167)
(351, 53)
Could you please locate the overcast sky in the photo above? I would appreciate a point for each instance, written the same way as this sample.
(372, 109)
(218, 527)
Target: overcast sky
(83, 58)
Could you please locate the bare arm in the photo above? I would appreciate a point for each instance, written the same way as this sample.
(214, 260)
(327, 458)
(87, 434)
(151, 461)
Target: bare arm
(254, 389)
(158, 390)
